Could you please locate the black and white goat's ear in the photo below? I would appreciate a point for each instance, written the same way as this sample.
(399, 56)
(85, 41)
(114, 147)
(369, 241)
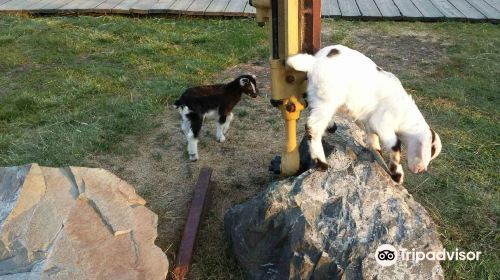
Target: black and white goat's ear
(254, 77)
(436, 144)
(244, 81)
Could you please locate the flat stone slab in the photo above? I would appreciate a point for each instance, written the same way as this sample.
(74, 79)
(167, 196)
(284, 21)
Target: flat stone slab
(75, 223)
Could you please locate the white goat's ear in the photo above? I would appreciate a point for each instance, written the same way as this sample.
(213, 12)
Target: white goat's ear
(244, 81)
(255, 77)
(301, 62)
(436, 145)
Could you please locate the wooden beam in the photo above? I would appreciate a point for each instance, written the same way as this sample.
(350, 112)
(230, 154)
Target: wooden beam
(185, 255)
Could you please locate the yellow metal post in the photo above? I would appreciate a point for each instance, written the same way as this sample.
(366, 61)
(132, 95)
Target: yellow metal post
(288, 85)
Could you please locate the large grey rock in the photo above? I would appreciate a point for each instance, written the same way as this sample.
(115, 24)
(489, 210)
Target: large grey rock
(328, 225)
(75, 223)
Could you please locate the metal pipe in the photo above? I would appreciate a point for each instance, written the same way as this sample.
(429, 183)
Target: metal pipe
(275, 29)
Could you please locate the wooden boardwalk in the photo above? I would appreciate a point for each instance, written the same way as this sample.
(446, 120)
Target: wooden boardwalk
(430, 10)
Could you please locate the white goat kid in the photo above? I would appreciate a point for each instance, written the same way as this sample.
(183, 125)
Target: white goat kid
(339, 76)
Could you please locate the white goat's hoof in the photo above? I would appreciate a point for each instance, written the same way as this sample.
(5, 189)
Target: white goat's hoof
(193, 157)
(221, 139)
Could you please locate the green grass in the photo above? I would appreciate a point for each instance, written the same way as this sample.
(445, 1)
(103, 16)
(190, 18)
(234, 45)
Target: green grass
(76, 85)
(73, 87)
(463, 192)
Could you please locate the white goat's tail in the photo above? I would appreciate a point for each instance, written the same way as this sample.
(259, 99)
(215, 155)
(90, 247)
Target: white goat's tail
(301, 62)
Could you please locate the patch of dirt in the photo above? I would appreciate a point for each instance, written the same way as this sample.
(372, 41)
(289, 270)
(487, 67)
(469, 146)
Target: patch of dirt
(162, 174)
(157, 164)
(412, 54)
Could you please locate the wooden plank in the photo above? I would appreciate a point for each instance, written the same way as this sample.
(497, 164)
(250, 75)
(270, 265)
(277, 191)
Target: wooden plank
(106, 6)
(466, 9)
(407, 9)
(35, 8)
(50, 6)
(388, 9)
(142, 6)
(198, 7)
(4, 1)
(180, 5)
(186, 248)
(330, 8)
(5, 7)
(348, 8)
(16, 5)
(81, 6)
(235, 7)
(447, 9)
(336, 8)
(494, 3)
(217, 7)
(485, 9)
(161, 6)
(123, 7)
(249, 9)
(427, 9)
(368, 8)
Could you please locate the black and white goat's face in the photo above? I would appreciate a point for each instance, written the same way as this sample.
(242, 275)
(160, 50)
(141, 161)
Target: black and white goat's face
(421, 150)
(248, 85)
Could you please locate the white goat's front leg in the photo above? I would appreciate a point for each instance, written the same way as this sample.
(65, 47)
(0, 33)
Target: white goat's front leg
(393, 145)
(316, 125)
(223, 126)
(374, 143)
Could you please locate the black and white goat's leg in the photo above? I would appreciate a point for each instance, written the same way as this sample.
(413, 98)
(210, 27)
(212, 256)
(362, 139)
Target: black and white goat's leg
(315, 128)
(191, 126)
(393, 145)
(223, 126)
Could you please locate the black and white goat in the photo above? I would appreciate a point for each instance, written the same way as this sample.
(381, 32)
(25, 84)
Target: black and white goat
(339, 76)
(196, 103)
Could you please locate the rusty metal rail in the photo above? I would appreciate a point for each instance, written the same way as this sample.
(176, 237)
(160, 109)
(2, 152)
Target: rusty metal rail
(192, 224)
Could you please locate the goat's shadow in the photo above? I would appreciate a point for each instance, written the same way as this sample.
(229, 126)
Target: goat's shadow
(306, 162)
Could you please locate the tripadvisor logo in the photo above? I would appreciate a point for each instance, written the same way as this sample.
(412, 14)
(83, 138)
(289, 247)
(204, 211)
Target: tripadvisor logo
(387, 255)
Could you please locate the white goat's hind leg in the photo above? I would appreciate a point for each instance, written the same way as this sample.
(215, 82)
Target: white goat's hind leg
(316, 125)
(393, 145)
(192, 146)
